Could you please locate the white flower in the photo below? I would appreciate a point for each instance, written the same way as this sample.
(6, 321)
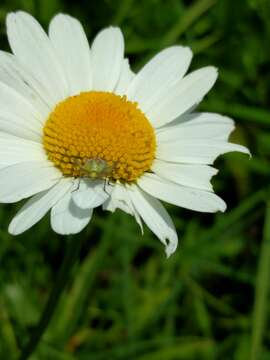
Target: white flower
(78, 129)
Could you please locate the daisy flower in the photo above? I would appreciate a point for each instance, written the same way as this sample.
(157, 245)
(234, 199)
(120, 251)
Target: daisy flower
(78, 129)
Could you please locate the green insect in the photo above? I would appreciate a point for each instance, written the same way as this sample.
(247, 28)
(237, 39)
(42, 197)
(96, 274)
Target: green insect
(95, 168)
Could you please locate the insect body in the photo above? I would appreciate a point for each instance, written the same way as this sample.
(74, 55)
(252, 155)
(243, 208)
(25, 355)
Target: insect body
(95, 168)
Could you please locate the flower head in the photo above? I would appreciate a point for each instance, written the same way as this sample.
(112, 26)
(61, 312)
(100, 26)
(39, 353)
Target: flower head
(78, 129)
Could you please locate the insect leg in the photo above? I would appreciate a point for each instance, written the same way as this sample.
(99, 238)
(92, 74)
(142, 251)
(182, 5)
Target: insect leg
(78, 186)
(106, 182)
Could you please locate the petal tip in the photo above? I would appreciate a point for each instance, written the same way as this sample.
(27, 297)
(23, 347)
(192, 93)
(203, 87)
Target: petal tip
(223, 206)
(12, 229)
(171, 245)
(214, 72)
(10, 17)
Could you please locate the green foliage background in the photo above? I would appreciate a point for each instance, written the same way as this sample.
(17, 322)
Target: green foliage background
(124, 299)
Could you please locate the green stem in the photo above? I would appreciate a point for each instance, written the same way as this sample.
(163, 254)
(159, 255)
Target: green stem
(71, 256)
(261, 292)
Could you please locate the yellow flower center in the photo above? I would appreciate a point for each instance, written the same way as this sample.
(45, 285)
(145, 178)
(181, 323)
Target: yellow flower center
(99, 135)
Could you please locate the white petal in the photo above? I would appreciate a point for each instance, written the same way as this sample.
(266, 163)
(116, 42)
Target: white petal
(198, 126)
(120, 199)
(196, 151)
(22, 180)
(37, 207)
(181, 96)
(156, 218)
(17, 125)
(125, 79)
(28, 76)
(196, 176)
(34, 50)
(107, 58)
(15, 150)
(156, 78)
(90, 193)
(67, 218)
(71, 46)
(15, 76)
(183, 196)
(13, 102)
(112, 204)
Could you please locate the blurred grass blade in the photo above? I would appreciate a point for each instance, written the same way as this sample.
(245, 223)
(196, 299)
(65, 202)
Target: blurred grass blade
(46, 352)
(239, 111)
(226, 221)
(197, 349)
(72, 306)
(261, 291)
(202, 316)
(7, 334)
(190, 16)
(204, 43)
(122, 12)
(70, 258)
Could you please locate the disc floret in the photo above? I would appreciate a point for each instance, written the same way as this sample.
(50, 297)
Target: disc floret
(100, 135)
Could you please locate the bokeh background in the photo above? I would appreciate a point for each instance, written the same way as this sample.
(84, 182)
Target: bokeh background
(124, 300)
